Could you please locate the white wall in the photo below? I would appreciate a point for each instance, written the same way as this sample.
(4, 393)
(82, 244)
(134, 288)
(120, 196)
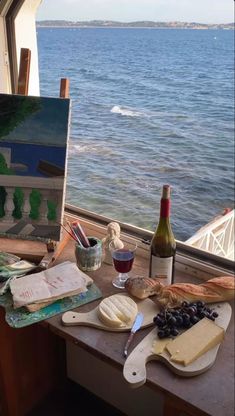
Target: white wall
(25, 33)
(4, 68)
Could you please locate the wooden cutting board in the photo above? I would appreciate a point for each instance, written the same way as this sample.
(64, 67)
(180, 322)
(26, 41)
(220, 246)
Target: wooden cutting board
(146, 306)
(134, 370)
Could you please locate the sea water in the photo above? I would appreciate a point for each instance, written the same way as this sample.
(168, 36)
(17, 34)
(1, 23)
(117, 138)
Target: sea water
(149, 107)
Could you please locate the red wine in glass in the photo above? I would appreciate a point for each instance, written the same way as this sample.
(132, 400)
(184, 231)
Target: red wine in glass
(123, 260)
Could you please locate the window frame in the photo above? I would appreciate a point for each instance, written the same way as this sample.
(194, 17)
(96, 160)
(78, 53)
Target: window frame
(11, 40)
(15, 38)
(197, 262)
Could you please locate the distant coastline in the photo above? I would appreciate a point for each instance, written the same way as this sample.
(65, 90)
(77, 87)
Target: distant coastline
(135, 25)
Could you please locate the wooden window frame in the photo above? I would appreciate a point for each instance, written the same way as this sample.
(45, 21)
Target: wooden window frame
(11, 42)
(195, 261)
(16, 37)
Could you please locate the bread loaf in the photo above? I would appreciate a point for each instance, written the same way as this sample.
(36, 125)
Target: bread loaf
(141, 287)
(217, 289)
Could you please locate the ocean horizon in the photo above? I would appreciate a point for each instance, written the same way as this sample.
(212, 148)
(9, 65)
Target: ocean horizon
(149, 107)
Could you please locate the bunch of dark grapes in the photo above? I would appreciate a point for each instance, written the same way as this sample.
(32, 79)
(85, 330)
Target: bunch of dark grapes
(171, 320)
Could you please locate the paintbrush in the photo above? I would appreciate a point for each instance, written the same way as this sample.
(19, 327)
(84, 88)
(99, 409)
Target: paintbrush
(70, 233)
(77, 228)
(75, 236)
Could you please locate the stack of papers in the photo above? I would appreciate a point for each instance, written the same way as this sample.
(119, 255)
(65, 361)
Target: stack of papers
(7, 258)
(12, 267)
(18, 268)
(49, 285)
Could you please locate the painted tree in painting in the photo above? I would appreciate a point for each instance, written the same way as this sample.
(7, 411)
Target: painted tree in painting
(15, 112)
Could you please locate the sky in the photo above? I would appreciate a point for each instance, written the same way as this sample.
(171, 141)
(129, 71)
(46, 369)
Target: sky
(202, 11)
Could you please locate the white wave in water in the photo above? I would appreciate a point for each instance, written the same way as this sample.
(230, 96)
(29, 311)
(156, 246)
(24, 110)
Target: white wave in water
(76, 148)
(125, 111)
(92, 148)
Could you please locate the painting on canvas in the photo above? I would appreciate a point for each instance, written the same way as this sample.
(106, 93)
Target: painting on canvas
(33, 153)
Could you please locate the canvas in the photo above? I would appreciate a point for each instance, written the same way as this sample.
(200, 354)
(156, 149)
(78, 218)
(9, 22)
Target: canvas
(33, 159)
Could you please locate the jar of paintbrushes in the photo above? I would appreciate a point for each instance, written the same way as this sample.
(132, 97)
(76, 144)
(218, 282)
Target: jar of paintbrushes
(88, 250)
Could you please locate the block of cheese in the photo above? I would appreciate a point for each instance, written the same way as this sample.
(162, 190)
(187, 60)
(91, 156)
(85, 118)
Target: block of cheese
(117, 311)
(194, 342)
(159, 345)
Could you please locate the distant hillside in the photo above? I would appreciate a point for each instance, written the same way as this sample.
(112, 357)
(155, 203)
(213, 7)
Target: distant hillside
(147, 24)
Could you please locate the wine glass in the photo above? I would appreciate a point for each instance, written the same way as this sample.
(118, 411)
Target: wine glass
(122, 260)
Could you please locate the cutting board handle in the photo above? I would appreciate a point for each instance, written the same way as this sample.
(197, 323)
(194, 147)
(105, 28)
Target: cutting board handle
(134, 370)
(135, 374)
(73, 318)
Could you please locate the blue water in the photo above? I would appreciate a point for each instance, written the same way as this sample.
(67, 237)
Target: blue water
(29, 156)
(149, 107)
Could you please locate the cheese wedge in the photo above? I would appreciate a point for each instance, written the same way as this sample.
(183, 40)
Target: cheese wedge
(159, 345)
(117, 311)
(195, 342)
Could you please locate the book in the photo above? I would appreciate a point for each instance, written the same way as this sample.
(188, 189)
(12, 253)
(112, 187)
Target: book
(49, 285)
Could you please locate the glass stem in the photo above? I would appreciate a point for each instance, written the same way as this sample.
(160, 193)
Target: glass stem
(123, 276)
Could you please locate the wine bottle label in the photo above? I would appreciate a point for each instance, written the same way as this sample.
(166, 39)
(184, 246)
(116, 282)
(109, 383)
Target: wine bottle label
(161, 268)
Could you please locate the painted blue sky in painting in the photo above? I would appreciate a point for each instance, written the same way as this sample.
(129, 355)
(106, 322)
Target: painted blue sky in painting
(47, 126)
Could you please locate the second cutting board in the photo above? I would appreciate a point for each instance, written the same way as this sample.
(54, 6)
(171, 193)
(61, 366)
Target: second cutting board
(134, 370)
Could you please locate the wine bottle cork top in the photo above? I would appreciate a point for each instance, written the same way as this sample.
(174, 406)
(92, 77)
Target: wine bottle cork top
(166, 190)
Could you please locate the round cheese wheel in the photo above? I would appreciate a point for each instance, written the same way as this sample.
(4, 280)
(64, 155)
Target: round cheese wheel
(117, 311)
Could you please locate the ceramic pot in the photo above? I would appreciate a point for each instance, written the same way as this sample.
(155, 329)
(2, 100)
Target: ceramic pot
(89, 259)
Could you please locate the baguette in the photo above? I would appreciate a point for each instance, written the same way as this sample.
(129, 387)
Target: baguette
(218, 289)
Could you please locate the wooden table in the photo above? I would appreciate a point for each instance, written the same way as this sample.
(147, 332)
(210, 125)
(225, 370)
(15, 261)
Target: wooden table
(210, 393)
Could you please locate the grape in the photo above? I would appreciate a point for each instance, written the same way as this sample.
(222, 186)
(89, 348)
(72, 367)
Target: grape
(179, 321)
(167, 332)
(200, 304)
(192, 310)
(174, 332)
(185, 304)
(161, 322)
(187, 324)
(176, 313)
(186, 316)
(170, 320)
(194, 319)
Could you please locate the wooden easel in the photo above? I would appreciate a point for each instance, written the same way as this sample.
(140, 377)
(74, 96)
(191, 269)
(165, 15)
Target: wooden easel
(35, 250)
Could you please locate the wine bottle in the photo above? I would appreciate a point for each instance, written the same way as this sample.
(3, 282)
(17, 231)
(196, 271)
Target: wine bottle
(163, 245)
